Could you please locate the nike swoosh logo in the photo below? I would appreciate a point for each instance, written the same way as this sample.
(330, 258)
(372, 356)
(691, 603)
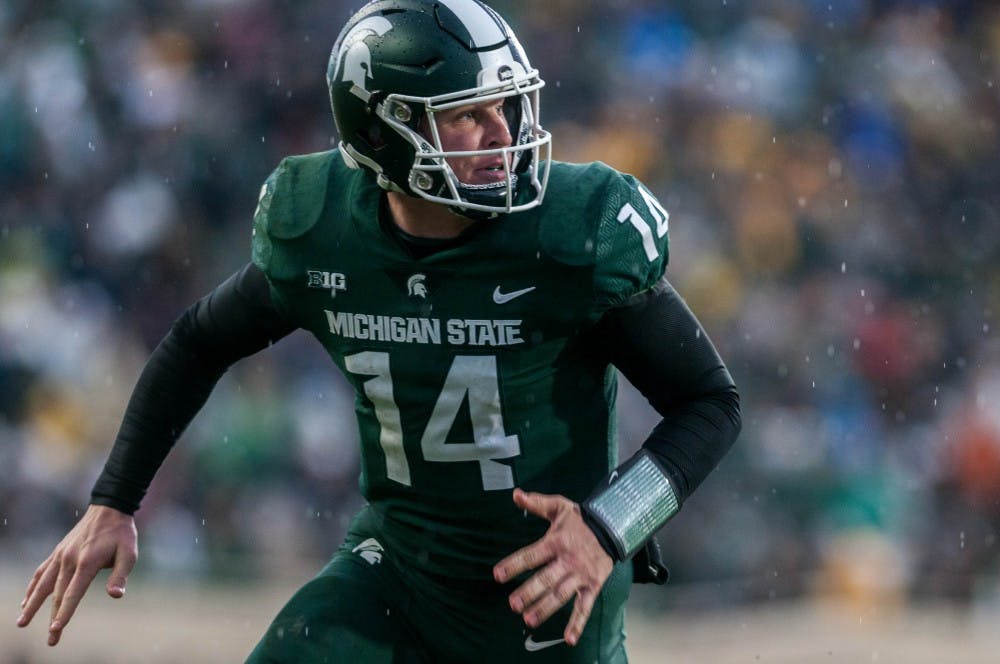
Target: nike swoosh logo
(534, 646)
(503, 298)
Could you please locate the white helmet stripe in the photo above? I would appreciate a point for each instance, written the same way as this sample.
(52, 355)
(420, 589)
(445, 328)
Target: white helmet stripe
(485, 29)
(482, 26)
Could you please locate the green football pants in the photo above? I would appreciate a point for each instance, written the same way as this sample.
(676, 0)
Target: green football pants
(363, 608)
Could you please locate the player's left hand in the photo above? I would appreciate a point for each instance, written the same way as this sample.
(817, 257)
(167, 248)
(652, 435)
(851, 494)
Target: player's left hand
(570, 564)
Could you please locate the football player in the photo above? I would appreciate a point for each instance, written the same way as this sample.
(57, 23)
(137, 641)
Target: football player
(479, 297)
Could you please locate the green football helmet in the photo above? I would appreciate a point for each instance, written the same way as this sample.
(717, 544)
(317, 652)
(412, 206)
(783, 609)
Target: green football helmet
(398, 62)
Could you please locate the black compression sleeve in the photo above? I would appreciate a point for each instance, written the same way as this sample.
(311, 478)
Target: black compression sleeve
(660, 346)
(235, 320)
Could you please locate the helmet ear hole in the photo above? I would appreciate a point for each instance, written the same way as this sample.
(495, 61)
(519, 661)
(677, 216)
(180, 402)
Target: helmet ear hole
(372, 136)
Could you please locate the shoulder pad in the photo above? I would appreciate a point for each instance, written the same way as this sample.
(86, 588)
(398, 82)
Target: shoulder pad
(293, 197)
(611, 221)
(290, 204)
(571, 212)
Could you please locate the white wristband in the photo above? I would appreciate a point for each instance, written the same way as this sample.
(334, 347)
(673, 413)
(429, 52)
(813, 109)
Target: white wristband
(635, 504)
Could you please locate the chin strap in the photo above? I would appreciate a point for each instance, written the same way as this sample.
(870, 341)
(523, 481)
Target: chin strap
(475, 215)
(485, 194)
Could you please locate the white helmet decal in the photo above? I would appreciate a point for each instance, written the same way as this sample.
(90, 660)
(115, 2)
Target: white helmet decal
(355, 57)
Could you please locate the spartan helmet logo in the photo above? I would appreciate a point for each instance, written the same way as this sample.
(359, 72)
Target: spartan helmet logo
(355, 61)
(415, 286)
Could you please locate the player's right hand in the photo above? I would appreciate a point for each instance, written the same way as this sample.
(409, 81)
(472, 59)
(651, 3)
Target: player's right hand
(103, 538)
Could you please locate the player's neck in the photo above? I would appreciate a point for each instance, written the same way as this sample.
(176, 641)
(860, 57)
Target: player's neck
(421, 218)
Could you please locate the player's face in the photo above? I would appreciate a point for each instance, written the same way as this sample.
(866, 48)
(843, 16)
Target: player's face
(475, 127)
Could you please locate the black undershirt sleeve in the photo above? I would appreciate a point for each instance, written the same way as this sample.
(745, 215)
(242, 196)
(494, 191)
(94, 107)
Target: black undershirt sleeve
(235, 320)
(661, 348)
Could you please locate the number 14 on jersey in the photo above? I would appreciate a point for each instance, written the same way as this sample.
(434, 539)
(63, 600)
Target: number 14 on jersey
(661, 220)
(470, 376)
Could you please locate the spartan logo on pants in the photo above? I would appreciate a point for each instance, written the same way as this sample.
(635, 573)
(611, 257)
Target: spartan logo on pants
(370, 550)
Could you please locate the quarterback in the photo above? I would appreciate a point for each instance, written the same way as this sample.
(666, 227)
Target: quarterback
(480, 298)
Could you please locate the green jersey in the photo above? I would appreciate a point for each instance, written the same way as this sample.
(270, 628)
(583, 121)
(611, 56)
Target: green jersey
(470, 367)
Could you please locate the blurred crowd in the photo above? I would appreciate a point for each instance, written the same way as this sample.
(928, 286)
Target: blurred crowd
(831, 173)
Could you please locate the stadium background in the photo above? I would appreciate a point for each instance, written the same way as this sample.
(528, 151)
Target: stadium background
(831, 173)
